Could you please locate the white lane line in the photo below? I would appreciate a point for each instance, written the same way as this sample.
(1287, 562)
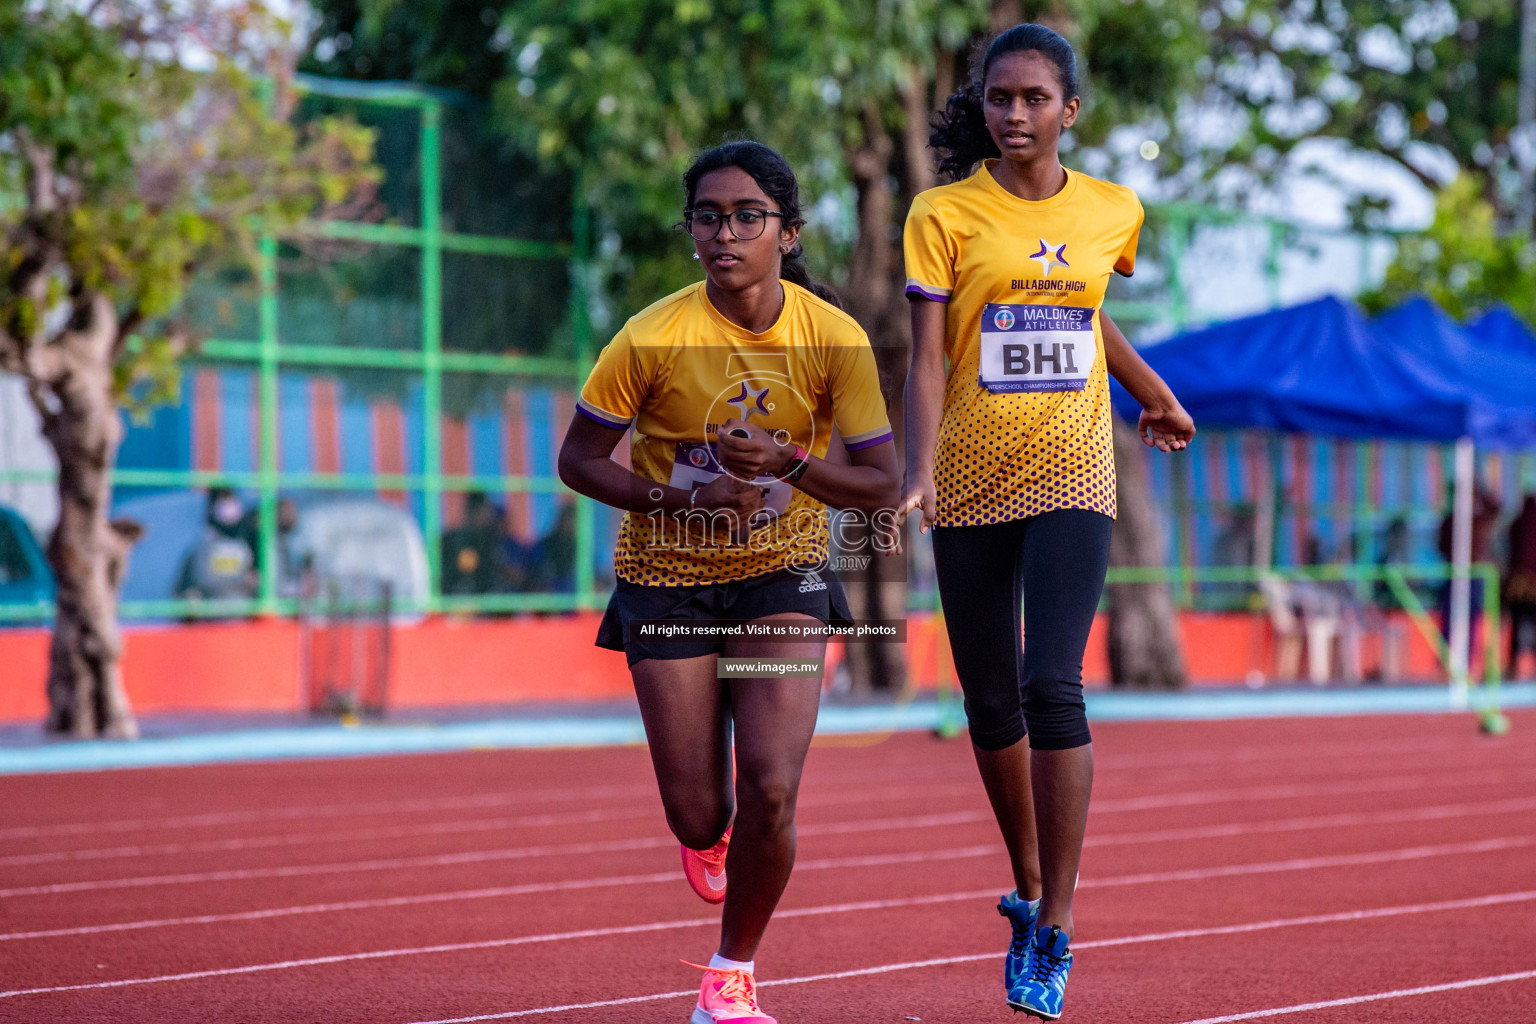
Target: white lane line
(1125, 941)
(460, 858)
(1342, 860)
(1128, 838)
(468, 857)
(589, 817)
(1122, 839)
(1106, 762)
(348, 867)
(431, 829)
(1327, 821)
(465, 827)
(1299, 753)
(1401, 993)
(441, 828)
(453, 803)
(867, 905)
(623, 845)
(1113, 839)
(1386, 784)
(1446, 905)
(840, 795)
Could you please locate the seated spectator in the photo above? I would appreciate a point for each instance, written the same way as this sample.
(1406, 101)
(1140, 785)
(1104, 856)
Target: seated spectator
(1485, 518)
(472, 552)
(515, 557)
(1520, 585)
(222, 564)
(552, 562)
(290, 566)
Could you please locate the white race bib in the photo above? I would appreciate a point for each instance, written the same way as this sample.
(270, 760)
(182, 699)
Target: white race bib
(697, 464)
(1028, 347)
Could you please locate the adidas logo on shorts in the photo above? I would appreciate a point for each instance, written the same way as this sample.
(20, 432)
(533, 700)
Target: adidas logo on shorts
(811, 583)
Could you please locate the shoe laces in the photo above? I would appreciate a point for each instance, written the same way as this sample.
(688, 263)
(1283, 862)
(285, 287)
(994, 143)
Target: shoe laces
(737, 988)
(1021, 933)
(1044, 966)
(714, 857)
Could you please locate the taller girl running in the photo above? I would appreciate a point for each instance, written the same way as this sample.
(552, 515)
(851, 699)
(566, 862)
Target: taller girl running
(1010, 456)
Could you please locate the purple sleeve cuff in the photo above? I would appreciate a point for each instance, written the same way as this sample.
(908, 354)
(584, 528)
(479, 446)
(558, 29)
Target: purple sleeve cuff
(916, 289)
(870, 442)
(602, 420)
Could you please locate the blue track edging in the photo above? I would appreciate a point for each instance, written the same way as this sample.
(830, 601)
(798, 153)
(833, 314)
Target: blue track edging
(323, 741)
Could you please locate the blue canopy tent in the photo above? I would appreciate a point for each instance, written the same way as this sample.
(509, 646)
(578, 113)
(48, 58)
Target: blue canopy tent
(1321, 368)
(1316, 368)
(1505, 331)
(1500, 379)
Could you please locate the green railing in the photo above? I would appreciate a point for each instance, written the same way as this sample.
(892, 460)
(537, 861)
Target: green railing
(269, 354)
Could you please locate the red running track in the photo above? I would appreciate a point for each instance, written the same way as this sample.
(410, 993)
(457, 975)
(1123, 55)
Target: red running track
(1307, 870)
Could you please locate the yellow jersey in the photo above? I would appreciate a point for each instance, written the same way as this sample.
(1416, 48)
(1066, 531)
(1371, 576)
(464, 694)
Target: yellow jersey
(1025, 427)
(677, 370)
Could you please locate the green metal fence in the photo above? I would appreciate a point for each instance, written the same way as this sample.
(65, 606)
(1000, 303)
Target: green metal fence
(413, 232)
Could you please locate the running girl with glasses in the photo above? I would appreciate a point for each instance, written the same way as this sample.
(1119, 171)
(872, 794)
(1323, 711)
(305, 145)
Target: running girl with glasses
(733, 386)
(1010, 457)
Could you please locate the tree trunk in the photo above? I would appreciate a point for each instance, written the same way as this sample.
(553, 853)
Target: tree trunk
(875, 300)
(1143, 625)
(87, 553)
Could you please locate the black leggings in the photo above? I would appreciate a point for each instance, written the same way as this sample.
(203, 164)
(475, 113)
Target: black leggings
(1055, 563)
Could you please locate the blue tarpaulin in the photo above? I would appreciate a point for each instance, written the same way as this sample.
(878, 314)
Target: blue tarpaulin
(1322, 368)
(1316, 368)
(1501, 381)
(1501, 328)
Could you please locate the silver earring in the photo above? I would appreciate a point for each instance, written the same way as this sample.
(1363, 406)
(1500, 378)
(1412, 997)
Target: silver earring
(695, 255)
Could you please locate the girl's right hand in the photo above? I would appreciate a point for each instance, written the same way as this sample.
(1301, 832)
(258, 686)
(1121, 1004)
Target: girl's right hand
(727, 493)
(919, 494)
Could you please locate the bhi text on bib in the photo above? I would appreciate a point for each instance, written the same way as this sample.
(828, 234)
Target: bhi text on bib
(1027, 347)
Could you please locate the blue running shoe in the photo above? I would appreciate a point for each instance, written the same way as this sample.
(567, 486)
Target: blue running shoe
(1044, 984)
(1022, 914)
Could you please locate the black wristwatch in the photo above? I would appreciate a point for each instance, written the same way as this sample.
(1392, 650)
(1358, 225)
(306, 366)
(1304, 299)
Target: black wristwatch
(798, 463)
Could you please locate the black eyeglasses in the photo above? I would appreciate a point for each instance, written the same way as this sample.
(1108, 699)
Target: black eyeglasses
(746, 223)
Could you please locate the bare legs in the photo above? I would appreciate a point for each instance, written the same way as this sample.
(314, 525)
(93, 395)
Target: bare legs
(1041, 793)
(688, 715)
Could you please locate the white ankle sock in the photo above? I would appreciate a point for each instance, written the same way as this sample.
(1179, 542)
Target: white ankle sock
(720, 963)
(1016, 899)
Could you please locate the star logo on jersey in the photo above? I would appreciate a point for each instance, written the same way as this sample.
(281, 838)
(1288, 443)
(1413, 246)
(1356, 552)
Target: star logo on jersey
(1051, 257)
(744, 402)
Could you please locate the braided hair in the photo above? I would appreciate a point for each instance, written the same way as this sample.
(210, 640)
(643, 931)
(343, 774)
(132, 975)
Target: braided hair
(777, 180)
(959, 131)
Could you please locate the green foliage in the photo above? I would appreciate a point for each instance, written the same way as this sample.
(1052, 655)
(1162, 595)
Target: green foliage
(126, 172)
(1383, 75)
(447, 43)
(1462, 262)
(623, 93)
(1136, 60)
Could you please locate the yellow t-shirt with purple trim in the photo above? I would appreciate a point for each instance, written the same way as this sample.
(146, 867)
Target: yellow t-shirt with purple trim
(678, 369)
(1026, 425)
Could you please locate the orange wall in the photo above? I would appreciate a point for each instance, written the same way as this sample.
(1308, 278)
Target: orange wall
(254, 665)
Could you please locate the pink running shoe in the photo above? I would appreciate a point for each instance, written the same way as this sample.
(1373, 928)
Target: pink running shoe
(705, 870)
(728, 997)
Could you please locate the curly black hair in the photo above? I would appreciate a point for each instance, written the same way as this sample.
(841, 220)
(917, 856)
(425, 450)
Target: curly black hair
(777, 180)
(959, 131)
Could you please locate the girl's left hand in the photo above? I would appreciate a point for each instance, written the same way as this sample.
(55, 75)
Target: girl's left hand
(751, 456)
(1168, 430)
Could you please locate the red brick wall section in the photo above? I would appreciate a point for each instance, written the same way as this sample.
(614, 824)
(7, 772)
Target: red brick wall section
(444, 661)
